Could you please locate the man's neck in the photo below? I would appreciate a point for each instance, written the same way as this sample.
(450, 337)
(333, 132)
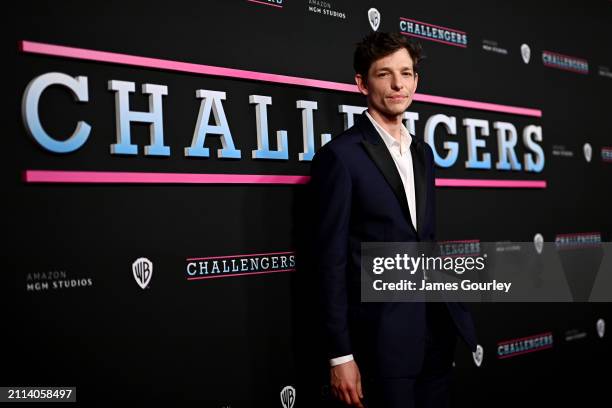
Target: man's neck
(391, 124)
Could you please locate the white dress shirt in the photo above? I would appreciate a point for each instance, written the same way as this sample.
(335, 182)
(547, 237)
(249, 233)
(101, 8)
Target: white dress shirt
(400, 152)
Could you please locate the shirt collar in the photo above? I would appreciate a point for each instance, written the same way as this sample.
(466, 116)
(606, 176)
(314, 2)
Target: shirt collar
(389, 140)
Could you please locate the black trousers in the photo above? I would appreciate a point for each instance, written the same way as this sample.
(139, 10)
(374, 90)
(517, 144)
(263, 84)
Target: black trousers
(430, 388)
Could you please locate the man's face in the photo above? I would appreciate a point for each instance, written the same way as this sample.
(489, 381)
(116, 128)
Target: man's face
(390, 85)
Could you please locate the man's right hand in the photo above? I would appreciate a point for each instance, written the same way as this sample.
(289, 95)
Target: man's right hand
(346, 383)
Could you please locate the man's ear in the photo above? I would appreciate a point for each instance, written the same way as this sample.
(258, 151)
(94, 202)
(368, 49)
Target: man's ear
(361, 84)
(416, 82)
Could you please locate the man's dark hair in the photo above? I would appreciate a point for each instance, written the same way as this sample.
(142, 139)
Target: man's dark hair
(378, 45)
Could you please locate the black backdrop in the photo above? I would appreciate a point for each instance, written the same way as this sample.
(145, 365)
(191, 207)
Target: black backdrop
(239, 341)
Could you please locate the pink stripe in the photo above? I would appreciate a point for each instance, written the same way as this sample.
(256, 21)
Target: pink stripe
(524, 338)
(547, 64)
(525, 352)
(441, 182)
(124, 59)
(578, 233)
(265, 4)
(460, 255)
(461, 241)
(435, 39)
(102, 177)
(59, 176)
(464, 103)
(239, 256)
(561, 246)
(240, 274)
(432, 25)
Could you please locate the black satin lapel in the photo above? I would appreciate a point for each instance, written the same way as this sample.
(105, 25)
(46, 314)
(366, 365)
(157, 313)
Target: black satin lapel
(420, 181)
(383, 160)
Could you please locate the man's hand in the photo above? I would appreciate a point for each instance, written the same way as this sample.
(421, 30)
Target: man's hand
(346, 383)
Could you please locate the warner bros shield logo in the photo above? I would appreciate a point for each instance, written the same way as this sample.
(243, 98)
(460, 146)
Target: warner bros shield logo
(538, 242)
(374, 18)
(142, 269)
(601, 328)
(478, 355)
(525, 53)
(588, 151)
(287, 396)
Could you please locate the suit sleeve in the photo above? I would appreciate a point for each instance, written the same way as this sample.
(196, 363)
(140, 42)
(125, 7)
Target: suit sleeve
(331, 187)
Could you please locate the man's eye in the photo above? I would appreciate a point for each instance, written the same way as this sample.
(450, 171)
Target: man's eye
(382, 74)
(408, 73)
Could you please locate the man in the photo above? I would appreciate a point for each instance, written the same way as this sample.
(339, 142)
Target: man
(375, 183)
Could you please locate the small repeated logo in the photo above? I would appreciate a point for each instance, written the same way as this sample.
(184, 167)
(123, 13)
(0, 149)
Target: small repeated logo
(523, 345)
(507, 246)
(604, 71)
(287, 396)
(538, 243)
(239, 265)
(525, 53)
(606, 154)
(142, 269)
(440, 34)
(374, 18)
(493, 46)
(601, 328)
(588, 152)
(562, 151)
(577, 240)
(325, 8)
(575, 334)
(54, 280)
(272, 3)
(478, 355)
(565, 62)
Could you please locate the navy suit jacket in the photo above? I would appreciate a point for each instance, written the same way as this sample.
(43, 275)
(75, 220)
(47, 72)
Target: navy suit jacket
(359, 197)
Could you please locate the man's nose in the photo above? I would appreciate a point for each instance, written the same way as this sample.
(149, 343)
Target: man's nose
(396, 82)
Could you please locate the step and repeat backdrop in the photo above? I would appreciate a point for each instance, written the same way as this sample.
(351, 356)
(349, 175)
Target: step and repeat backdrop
(156, 199)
